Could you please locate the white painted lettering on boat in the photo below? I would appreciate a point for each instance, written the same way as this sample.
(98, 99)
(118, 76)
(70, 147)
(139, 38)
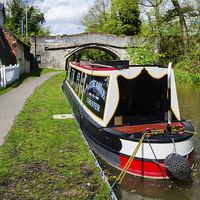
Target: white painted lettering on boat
(98, 86)
(94, 105)
(93, 96)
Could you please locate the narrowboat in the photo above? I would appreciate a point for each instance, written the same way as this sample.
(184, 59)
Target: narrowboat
(116, 103)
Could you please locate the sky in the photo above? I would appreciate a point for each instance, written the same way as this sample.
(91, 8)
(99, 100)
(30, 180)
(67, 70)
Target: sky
(63, 16)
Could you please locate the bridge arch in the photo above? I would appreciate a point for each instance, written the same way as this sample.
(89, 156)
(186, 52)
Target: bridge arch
(107, 49)
(53, 51)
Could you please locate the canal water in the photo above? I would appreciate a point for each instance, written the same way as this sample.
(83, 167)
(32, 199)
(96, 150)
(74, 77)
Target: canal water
(138, 188)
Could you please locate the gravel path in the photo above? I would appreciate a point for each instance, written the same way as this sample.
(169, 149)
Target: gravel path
(13, 101)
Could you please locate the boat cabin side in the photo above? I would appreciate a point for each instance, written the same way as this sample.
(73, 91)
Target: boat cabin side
(115, 95)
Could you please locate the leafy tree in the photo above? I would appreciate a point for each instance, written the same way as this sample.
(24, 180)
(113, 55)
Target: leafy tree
(144, 53)
(179, 18)
(35, 20)
(95, 54)
(117, 17)
(16, 11)
(179, 11)
(96, 16)
(188, 15)
(149, 47)
(125, 14)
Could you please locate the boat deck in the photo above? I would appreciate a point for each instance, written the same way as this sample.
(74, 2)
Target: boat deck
(141, 128)
(101, 66)
(88, 64)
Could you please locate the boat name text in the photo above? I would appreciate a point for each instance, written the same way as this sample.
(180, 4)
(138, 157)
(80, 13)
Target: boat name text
(94, 105)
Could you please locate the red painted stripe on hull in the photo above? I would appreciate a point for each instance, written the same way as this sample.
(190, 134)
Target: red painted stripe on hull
(149, 169)
(145, 169)
(92, 69)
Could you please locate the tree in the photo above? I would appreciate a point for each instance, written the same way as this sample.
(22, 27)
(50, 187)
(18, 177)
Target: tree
(125, 14)
(172, 21)
(156, 24)
(96, 16)
(183, 27)
(120, 17)
(95, 54)
(167, 18)
(144, 53)
(35, 20)
(151, 35)
(16, 11)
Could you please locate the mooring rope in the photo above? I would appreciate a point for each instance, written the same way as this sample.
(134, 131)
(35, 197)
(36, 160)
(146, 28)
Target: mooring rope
(124, 171)
(174, 129)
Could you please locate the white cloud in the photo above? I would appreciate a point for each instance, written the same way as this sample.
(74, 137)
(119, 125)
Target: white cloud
(63, 16)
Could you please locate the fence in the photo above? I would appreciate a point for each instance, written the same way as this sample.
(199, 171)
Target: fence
(9, 74)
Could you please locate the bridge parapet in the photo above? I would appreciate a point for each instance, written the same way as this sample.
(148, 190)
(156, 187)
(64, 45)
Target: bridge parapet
(54, 50)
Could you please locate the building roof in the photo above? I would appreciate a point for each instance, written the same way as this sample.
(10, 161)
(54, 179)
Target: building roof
(2, 9)
(3, 27)
(5, 50)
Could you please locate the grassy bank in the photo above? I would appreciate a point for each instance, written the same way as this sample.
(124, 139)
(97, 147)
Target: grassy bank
(46, 158)
(187, 72)
(187, 77)
(25, 77)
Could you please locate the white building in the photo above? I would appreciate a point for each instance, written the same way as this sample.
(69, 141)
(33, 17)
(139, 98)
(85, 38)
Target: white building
(12, 49)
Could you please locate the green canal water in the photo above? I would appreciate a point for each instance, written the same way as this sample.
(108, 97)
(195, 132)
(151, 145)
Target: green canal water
(138, 188)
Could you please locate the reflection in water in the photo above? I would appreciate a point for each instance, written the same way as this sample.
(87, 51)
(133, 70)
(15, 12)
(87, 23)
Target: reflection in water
(133, 187)
(139, 188)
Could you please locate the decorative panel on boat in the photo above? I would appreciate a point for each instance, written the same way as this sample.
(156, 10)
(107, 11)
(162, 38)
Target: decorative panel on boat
(95, 94)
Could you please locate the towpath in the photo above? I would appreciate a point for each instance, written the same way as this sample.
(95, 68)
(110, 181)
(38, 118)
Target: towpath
(13, 101)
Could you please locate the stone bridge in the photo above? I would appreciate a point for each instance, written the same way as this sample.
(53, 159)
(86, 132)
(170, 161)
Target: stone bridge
(53, 51)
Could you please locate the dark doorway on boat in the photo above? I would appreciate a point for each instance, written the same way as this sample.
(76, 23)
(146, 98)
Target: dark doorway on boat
(142, 99)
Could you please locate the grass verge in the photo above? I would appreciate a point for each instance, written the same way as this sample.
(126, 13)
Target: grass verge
(185, 76)
(25, 77)
(187, 72)
(46, 158)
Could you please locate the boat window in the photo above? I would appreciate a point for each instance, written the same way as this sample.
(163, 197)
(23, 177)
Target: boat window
(68, 72)
(85, 83)
(81, 85)
(77, 81)
(95, 94)
(72, 76)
